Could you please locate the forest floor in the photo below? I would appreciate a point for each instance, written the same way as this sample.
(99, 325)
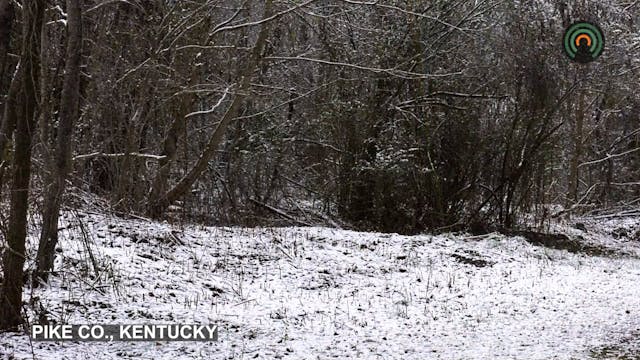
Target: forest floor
(321, 293)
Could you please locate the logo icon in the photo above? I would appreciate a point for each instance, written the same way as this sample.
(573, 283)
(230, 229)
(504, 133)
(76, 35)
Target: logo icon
(583, 42)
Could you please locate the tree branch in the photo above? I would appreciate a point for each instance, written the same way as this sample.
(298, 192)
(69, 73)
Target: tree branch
(116, 155)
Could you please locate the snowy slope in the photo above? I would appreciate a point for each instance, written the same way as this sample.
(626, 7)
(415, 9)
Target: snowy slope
(319, 293)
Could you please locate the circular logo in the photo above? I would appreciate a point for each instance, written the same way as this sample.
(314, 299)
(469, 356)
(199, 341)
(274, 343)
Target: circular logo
(583, 42)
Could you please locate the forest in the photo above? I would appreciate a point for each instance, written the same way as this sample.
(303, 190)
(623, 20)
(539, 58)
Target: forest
(405, 117)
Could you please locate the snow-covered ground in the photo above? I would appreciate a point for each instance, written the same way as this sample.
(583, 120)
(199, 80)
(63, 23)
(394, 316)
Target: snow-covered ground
(320, 293)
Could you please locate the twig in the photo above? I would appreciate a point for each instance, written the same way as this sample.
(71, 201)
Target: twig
(609, 157)
(243, 302)
(259, 22)
(392, 72)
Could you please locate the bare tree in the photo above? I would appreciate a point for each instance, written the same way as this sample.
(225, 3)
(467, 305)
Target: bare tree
(6, 22)
(160, 200)
(62, 163)
(14, 253)
(8, 113)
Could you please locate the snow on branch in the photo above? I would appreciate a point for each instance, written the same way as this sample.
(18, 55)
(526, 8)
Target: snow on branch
(135, 154)
(391, 71)
(609, 157)
(225, 27)
(203, 112)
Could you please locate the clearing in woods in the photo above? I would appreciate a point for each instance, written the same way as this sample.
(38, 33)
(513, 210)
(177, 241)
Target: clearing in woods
(300, 293)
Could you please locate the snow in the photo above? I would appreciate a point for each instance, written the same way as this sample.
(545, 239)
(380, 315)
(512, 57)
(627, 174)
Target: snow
(301, 293)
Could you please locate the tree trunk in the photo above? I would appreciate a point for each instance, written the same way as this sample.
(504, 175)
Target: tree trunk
(159, 204)
(14, 254)
(577, 151)
(62, 167)
(6, 22)
(170, 151)
(10, 115)
(8, 112)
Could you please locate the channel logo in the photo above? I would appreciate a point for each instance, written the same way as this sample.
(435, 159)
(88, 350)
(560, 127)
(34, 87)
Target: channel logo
(583, 42)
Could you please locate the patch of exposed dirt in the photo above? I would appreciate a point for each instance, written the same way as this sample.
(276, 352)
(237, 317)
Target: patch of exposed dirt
(575, 245)
(626, 349)
(471, 257)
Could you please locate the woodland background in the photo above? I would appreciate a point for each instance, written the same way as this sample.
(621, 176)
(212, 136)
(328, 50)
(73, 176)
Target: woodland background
(392, 116)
